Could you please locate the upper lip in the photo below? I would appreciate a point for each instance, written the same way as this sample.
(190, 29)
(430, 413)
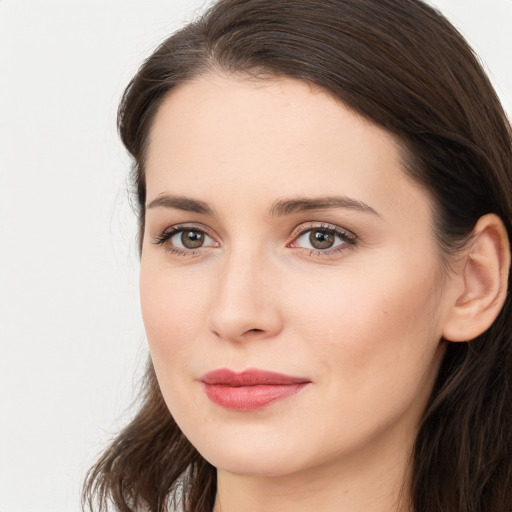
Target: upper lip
(250, 377)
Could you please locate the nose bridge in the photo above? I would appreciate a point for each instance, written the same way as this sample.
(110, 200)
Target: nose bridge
(245, 300)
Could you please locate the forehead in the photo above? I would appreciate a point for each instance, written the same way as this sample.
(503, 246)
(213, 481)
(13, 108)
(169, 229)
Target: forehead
(272, 138)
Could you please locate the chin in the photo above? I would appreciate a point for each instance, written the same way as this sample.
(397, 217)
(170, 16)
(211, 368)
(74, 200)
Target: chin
(254, 465)
(265, 457)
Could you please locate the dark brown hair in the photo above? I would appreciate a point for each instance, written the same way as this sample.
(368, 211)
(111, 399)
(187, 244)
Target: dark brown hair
(404, 67)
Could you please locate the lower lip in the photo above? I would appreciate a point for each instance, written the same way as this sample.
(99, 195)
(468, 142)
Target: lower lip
(250, 398)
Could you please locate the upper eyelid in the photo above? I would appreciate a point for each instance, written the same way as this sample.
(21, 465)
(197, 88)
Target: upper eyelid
(167, 233)
(304, 227)
(190, 226)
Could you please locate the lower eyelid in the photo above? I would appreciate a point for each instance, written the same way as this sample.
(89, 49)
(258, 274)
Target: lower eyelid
(347, 239)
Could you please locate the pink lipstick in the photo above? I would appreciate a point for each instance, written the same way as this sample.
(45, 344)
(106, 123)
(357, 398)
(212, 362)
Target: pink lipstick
(251, 389)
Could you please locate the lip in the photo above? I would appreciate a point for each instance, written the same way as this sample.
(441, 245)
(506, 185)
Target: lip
(251, 389)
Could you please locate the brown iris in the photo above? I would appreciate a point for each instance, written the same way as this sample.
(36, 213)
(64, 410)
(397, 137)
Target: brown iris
(321, 239)
(192, 239)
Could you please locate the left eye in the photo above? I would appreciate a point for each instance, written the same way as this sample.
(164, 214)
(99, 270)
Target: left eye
(320, 239)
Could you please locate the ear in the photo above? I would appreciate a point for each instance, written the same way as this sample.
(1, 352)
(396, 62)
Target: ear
(484, 278)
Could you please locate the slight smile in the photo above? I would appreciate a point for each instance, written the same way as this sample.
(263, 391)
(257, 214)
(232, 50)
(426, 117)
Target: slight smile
(251, 389)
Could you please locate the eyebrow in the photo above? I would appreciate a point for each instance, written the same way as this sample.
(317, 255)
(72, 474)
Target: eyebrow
(180, 203)
(280, 208)
(301, 204)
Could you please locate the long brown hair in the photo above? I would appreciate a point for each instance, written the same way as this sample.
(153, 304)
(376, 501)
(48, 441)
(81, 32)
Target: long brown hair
(404, 67)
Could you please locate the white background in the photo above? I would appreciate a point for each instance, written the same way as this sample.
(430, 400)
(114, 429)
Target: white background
(71, 339)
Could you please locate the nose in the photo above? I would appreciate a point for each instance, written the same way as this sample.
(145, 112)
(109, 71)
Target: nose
(246, 302)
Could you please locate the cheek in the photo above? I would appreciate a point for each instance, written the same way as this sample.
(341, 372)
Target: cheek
(375, 343)
(368, 323)
(173, 310)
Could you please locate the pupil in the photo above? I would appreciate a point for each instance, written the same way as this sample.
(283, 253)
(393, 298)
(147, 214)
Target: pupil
(192, 239)
(321, 239)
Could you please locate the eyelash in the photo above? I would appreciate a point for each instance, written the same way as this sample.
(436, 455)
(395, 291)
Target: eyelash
(168, 233)
(348, 239)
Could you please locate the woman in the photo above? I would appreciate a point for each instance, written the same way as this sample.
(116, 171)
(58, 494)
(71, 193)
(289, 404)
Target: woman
(325, 203)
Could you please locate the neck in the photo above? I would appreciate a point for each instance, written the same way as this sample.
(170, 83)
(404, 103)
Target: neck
(376, 481)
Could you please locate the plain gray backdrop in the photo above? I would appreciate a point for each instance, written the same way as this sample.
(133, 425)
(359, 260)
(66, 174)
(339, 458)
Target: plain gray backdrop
(71, 339)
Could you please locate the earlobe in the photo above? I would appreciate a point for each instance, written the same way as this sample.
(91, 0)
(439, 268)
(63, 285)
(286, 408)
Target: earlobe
(484, 273)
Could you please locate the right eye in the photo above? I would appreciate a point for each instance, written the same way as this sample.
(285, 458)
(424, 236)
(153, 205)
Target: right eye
(182, 239)
(189, 239)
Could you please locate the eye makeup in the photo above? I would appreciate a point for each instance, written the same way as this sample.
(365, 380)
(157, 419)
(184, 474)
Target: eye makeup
(322, 239)
(316, 238)
(185, 239)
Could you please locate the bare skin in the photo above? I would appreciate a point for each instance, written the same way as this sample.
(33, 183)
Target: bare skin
(282, 234)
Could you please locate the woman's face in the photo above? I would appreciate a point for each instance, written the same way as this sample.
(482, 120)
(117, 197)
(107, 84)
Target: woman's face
(283, 236)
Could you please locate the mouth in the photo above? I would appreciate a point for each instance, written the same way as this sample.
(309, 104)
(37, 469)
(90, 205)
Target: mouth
(251, 389)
